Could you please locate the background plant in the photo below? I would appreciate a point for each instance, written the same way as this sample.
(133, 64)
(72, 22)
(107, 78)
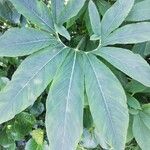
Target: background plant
(77, 60)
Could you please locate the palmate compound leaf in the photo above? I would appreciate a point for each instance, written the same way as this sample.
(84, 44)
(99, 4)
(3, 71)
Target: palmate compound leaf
(129, 34)
(30, 80)
(24, 41)
(37, 12)
(128, 62)
(114, 17)
(107, 101)
(64, 116)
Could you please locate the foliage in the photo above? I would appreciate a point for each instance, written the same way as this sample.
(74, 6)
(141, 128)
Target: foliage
(74, 74)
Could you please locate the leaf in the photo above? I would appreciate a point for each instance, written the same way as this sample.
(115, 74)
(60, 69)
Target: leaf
(136, 87)
(115, 15)
(147, 49)
(139, 49)
(8, 13)
(133, 103)
(94, 18)
(32, 145)
(102, 6)
(130, 132)
(141, 133)
(38, 136)
(126, 61)
(62, 31)
(129, 34)
(107, 103)
(36, 11)
(140, 11)
(65, 103)
(70, 10)
(21, 126)
(30, 80)
(57, 7)
(24, 41)
(145, 115)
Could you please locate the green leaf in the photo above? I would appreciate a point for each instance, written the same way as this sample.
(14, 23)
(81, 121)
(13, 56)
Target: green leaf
(133, 103)
(24, 41)
(129, 34)
(62, 31)
(94, 18)
(102, 6)
(32, 145)
(114, 17)
(130, 132)
(8, 13)
(147, 49)
(57, 7)
(136, 87)
(65, 103)
(140, 11)
(129, 63)
(70, 10)
(145, 115)
(139, 49)
(30, 80)
(141, 133)
(38, 136)
(107, 103)
(21, 126)
(36, 11)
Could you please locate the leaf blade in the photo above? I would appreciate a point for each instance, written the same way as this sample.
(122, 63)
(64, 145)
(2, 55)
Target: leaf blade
(114, 17)
(29, 85)
(66, 96)
(136, 15)
(110, 114)
(95, 23)
(70, 10)
(129, 34)
(24, 41)
(118, 57)
(35, 11)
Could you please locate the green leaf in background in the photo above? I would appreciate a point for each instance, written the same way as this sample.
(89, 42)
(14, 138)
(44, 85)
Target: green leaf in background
(94, 18)
(32, 145)
(147, 49)
(36, 11)
(126, 61)
(21, 126)
(70, 10)
(38, 136)
(133, 103)
(140, 11)
(114, 17)
(136, 87)
(8, 12)
(129, 34)
(102, 6)
(30, 84)
(65, 103)
(107, 103)
(24, 41)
